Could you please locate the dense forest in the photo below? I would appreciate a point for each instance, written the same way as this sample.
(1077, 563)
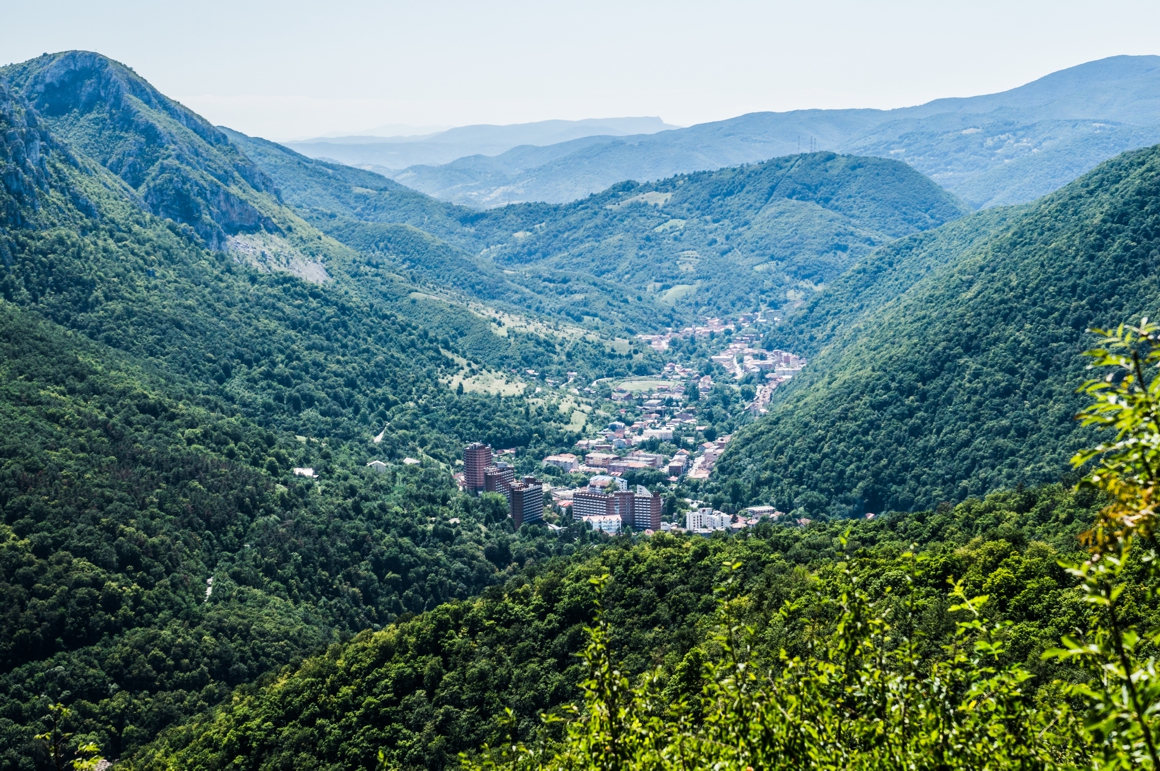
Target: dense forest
(437, 685)
(125, 490)
(965, 382)
(854, 300)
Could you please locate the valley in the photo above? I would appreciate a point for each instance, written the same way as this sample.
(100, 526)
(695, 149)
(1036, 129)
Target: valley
(302, 467)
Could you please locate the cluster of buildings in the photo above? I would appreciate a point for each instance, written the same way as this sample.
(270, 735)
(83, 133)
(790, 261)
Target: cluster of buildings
(481, 473)
(663, 413)
(666, 412)
(607, 503)
(703, 464)
(601, 459)
(760, 403)
(704, 521)
(711, 326)
(740, 359)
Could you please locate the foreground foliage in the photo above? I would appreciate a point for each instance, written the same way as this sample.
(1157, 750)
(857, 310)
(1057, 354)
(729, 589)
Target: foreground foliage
(425, 689)
(874, 694)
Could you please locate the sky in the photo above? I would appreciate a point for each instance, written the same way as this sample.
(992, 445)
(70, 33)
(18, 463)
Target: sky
(291, 69)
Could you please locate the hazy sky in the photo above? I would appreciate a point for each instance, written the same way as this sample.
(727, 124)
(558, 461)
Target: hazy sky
(293, 69)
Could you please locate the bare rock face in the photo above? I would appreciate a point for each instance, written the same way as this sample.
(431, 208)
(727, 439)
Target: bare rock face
(23, 166)
(181, 166)
(274, 254)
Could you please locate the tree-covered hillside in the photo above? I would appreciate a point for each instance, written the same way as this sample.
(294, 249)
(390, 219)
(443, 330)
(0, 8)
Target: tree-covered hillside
(125, 489)
(158, 395)
(177, 163)
(367, 212)
(312, 184)
(436, 685)
(965, 382)
(646, 255)
(730, 240)
(853, 300)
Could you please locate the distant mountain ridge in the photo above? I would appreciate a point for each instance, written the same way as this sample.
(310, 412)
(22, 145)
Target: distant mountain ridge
(462, 141)
(1010, 147)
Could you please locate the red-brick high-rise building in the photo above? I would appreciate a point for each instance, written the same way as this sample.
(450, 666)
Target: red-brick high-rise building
(476, 459)
(499, 478)
(646, 510)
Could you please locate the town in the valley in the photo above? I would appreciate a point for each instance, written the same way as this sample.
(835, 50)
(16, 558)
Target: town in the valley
(627, 473)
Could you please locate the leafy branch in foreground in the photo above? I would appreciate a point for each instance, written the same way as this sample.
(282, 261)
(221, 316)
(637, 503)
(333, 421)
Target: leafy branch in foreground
(1128, 402)
(1123, 695)
(86, 756)
(863, 697)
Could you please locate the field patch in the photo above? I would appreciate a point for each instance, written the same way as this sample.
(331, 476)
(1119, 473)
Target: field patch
(641, 385)
(676, 293)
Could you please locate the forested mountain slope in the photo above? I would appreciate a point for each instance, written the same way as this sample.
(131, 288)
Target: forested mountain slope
(732, 239)
(159, 393)
(965, 382)
(310, 184)
(281, 242)
(832, 317)
(646, 255)
(430, 687)
(124, 492)
(370, 213)
(300, 356)
(179, 165)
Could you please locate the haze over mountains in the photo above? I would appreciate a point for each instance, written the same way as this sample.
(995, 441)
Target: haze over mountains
(1003, 148)
(446, 146)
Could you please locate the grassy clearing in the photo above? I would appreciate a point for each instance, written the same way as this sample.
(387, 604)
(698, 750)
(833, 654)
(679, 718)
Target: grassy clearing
(653, 197)
(578, 421)
(670, 225)
(487, 383)
(676, 293)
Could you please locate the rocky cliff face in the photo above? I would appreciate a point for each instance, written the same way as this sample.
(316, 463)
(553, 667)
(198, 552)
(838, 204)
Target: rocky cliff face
(181, 166)
(23, 159)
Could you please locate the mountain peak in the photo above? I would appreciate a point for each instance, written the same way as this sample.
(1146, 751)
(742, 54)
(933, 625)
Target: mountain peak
(112, 115)
(70, 82)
